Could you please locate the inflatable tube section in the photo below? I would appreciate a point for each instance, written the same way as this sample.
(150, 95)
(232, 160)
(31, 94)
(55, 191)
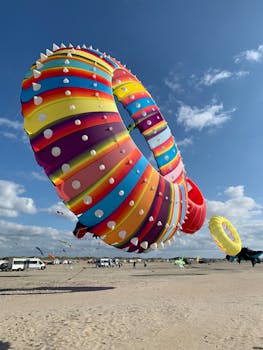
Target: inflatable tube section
(80, 140)
(196, 211)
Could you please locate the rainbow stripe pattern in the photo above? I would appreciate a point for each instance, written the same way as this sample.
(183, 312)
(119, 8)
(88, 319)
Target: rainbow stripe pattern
(80, 140)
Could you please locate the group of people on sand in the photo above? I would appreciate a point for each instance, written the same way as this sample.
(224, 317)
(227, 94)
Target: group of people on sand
(144, 264)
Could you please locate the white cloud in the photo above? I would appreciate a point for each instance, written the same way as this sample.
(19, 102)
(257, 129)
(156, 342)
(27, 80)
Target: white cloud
(235, 191)
(173, 82)
(59, 209)
(11, 129)
(200, 118)
(254, 55)
(11, 124)
(12, 230)
(38, 176)
(9, 135)
(22, 239)
(187, 141)
(243, 212)
(213, 76)
(11, 202)
(238, 207)
(241, 73)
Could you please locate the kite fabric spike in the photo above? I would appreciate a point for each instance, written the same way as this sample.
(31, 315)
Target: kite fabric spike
(80, 140)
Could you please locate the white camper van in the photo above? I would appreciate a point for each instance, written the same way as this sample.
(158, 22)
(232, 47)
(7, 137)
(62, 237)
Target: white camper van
(20, 264)
(103, 262)
(107, 262)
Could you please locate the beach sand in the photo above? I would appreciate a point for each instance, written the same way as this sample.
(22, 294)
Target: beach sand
(204, 306)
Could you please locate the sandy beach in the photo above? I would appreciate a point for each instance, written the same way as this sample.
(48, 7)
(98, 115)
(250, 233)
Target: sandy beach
(204, 306)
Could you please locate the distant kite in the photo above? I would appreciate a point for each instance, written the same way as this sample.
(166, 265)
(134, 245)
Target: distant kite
(225, 235)
(180, 262)
(246, 254)
(65, 243)
(41, 252)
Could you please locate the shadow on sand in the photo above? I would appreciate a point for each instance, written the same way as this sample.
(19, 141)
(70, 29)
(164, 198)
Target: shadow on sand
(4, 345)
(223, 269)
(211, 269)
(179, 274)
(50, 290)
(14, 276)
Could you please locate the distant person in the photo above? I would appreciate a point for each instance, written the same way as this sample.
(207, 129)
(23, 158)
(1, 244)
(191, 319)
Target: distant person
(134, 264)
(145, 264)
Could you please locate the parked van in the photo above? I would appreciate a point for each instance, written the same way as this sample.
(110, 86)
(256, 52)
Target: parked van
(107, 262)
(20, 264)
(104, 262)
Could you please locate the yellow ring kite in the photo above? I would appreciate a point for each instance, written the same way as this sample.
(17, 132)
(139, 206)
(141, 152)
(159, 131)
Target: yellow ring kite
(218, 226)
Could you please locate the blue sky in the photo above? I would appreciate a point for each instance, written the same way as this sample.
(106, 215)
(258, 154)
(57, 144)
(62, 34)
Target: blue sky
(202, 61)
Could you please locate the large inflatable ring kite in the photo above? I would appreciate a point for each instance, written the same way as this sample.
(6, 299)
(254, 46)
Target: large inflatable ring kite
(80, 140)
(225, 235)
